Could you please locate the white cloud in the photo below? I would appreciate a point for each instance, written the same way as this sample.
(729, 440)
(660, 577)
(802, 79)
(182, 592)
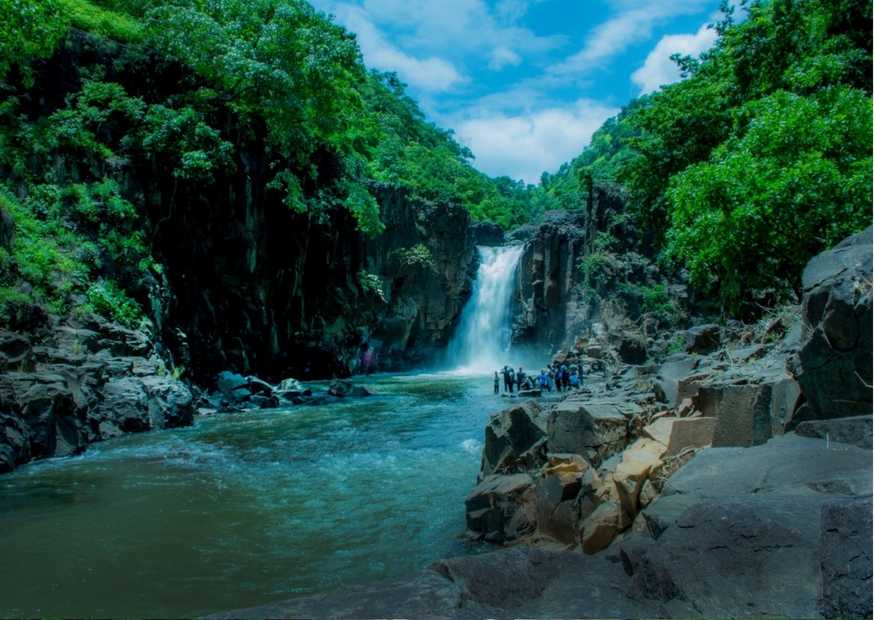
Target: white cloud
(502, 57)
(634, 21)
(431, 74)
(658, 69)
(525, 144)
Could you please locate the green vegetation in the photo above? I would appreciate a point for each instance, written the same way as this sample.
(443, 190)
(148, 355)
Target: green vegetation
(272, 77)
(758, 160)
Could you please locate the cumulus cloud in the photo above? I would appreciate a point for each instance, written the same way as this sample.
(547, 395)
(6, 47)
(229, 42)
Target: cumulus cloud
(658, 69)
(633, 21)
(431, 73)
(524, 144)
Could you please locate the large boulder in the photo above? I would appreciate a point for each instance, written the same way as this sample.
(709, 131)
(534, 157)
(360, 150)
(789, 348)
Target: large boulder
(595, 429)
(512, 439)
(670, 375)
(834, 366)
(500, 508)
(743, 412)
(703, 339)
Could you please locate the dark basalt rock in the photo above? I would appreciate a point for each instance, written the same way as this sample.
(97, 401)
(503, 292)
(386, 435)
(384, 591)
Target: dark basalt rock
(703, 339)
(834, 364)
(855, 431)
(487, 233)
(845, 559)
(83, 383)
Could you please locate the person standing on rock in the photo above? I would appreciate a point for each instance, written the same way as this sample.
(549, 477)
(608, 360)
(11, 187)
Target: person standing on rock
(506, 380)
(497, 383)
(512, 374)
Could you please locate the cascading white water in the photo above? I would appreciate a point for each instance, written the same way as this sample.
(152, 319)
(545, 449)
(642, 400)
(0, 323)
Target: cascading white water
(482, 339)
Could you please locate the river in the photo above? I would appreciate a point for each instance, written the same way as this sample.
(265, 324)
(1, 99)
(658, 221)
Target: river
(240, 510)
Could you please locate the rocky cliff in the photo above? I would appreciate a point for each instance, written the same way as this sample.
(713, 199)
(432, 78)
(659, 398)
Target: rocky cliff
(580, 268)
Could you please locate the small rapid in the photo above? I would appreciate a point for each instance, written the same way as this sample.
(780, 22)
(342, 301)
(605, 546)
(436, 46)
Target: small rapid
(483, 337)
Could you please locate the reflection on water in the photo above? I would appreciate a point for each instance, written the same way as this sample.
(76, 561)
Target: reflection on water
(243, 510)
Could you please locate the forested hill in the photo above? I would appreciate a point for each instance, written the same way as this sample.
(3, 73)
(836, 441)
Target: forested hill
(757, 161)
(98, 96)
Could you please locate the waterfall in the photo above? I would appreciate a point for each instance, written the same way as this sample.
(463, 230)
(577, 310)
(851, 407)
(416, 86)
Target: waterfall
(482, 339)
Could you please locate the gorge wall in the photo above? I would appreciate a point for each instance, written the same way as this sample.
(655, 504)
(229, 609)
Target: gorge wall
(556, 298)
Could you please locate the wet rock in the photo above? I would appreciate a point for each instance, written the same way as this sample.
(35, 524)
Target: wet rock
(703, 339)
(854, 430)
(291, 389)
(500, 508)
(345, 389)
(834, 366)
(14, 442)
(845, 559)
(487, 233)
(512, 439)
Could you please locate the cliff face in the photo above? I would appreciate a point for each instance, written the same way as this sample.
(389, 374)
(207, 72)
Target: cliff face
(261, 290)
(244, 282)
(426, 259)
(551, 304)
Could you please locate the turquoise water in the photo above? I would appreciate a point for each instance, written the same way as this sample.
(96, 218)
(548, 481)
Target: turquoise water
(241, 510)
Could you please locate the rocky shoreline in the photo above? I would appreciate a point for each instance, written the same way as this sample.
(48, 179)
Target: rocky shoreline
(737, 447)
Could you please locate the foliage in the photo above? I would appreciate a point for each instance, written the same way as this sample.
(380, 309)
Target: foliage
(758, 160)
(654, 300)
(28, 30)
(108, 299)
(415, 257)
(371, 284)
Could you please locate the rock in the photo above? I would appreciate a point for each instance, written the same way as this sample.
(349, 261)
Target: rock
(632, 350)
(232, 385)
(291, 388)
(497, 509)
(345, 389)
(15, 350)
(593, 429)
(595, 351)
(647, 494)
(855, 430)
(487, 233)
(529, 393)
(785, 400)
(677, 434)
(602, 526)
(170, 402)
(125, 404)
(258, 386)
(512, 438)
(703, 339)
(14, 442)
(556, 505)
(834, 365)
(845, 559)
(743, 413)
(672, 370)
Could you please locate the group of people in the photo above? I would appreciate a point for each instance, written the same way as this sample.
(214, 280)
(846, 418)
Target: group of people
(560, 377)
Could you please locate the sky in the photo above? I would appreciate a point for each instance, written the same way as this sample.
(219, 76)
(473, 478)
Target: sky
(525, 83)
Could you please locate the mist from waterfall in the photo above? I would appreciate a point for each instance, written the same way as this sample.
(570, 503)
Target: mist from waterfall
(482, 340)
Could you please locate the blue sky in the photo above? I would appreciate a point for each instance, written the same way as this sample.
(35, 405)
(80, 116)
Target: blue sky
(524, 83)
